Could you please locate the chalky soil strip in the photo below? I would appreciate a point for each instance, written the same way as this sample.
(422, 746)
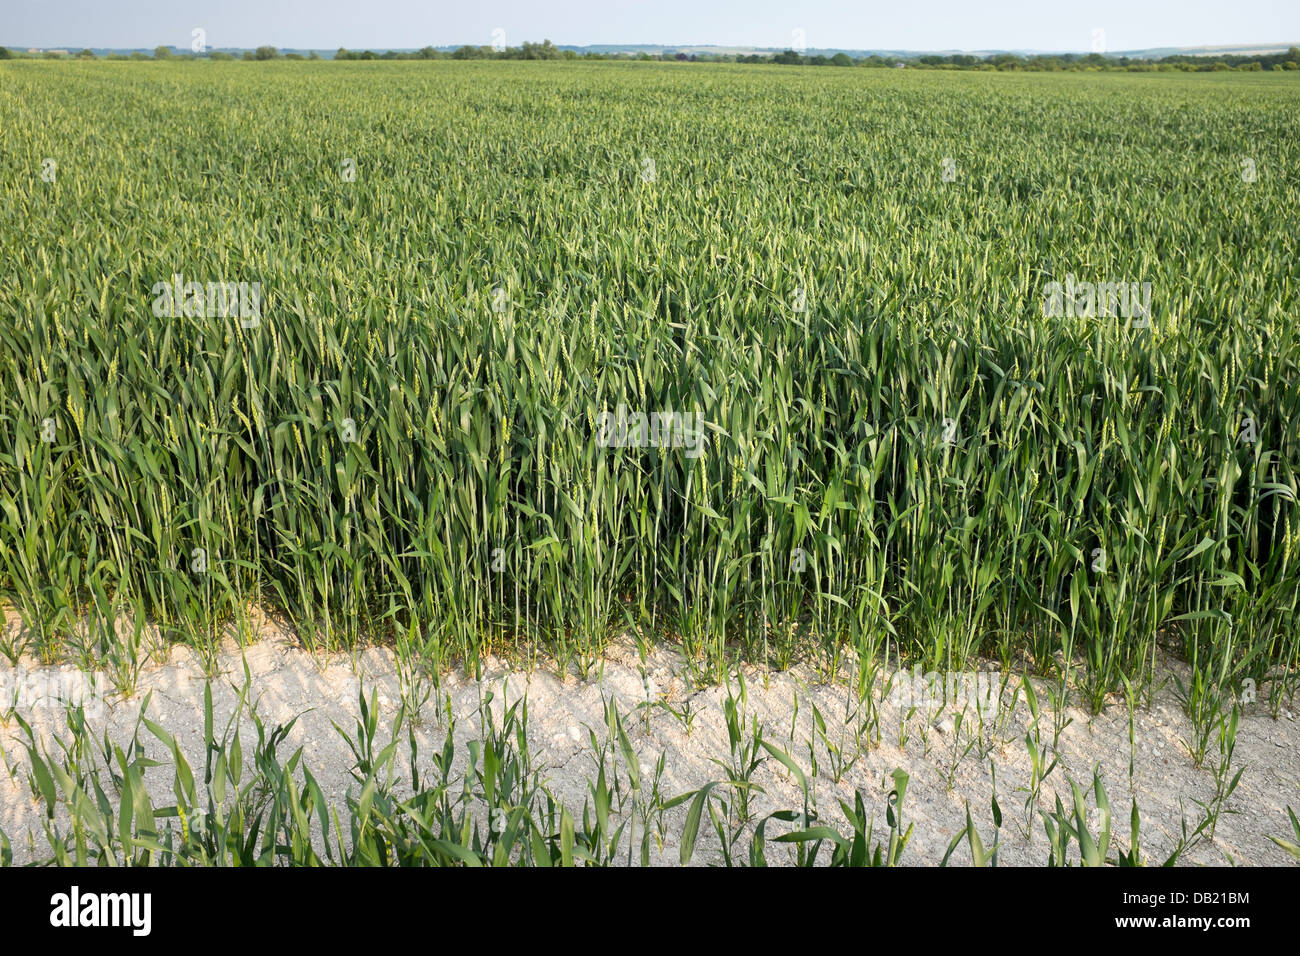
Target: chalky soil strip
(948, 768)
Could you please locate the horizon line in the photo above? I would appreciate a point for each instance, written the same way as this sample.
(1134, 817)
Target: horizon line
(697, 46)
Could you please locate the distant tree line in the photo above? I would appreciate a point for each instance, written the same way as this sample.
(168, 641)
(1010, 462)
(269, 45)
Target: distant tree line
(546, 50)
(1290, 60)
(161, 53)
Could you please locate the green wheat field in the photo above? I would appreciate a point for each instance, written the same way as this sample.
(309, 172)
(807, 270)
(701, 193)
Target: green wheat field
(458, 271)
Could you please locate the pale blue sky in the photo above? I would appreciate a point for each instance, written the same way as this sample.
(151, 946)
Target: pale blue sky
(917, 25)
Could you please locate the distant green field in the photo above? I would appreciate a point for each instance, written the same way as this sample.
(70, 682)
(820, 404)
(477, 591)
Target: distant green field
(843, 273)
